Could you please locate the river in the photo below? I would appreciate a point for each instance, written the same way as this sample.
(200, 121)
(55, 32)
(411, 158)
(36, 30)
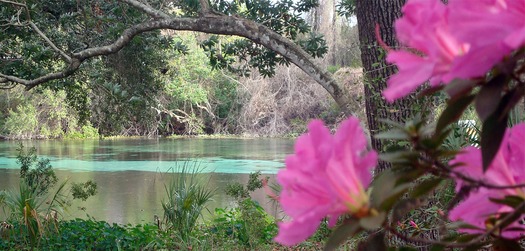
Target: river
(131, 173)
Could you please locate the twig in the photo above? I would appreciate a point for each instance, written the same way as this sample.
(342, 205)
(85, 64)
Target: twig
(29, 84)
(6, 86)
(50, 43)
(147, 9)
(20, 5)
(474, 182)
(477, 240)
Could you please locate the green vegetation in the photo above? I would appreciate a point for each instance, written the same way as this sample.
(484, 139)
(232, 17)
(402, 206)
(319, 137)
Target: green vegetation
(186, 198)
(246, 226)
(161, 83)
(35, 207)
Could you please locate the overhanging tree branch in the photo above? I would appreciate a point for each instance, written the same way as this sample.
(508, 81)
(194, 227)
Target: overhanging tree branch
(213, 24)
(29, 84)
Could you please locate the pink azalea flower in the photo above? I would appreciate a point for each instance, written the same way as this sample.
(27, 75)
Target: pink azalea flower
(413, 224)
(425, 29)
(326, 177)
(506, 169)
(489, 22)
(463, 40)
(493, 28)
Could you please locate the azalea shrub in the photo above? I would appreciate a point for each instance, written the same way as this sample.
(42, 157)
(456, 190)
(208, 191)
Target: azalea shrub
(474, 51)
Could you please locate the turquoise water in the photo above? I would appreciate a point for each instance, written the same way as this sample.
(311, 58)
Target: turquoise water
(157, 155)
(131, 173)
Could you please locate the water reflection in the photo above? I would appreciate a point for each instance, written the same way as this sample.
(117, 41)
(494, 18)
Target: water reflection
(131, 173)
(217, 155)
(132, 196)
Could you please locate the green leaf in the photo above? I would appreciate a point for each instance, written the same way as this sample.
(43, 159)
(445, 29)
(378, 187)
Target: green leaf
(400, 157)
(453, 112)
(384, 187)
(381, 186)
(396, 134)
(459, 87)
(489, 96)
(349, 228)
(512, 217)
(373, 222)
(425, 187)
(511, 200)
(495, 125)
(512, 98)
(393, 124)
(491, 138)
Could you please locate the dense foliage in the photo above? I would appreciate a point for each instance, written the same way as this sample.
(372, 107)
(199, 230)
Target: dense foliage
(160, 82)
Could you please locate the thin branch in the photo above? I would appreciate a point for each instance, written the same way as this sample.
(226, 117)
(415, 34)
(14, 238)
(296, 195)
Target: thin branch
(432, 242)
(205, 7)
(50, 43)
(30, 84)
(13, 3)
(6, 86)
(147, 9)
(19, 5)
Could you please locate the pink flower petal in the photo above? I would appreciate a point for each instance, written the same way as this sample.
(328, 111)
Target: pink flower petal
(413, 71)
(326, 177)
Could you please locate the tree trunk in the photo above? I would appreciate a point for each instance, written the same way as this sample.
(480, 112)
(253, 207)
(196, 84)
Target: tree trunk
(323, 21)
(376, 70)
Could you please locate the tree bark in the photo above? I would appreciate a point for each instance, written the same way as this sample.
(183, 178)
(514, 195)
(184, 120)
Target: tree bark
(376, 70)
(324, 22)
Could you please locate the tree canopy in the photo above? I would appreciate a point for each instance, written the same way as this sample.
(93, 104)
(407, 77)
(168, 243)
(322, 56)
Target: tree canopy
(48, 41)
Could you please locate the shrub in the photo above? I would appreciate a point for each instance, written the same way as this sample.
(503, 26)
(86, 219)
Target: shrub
(187, 197)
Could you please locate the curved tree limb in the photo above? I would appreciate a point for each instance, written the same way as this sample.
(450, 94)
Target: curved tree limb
(208, 23)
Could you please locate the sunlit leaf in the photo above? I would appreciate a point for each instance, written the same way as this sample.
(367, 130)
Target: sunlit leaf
(395, 134)
(399, 157)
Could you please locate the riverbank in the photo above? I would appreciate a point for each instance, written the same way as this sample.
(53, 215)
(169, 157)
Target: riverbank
(120, 137)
